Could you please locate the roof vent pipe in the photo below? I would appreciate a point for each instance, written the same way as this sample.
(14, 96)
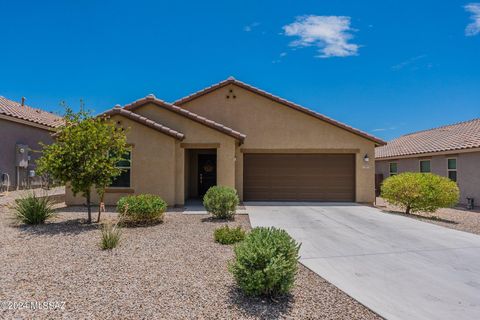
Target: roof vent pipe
(23, 101)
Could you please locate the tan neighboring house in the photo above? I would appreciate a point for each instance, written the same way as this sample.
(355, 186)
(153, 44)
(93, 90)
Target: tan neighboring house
(451, 151)
(22, 128)
(233, 134)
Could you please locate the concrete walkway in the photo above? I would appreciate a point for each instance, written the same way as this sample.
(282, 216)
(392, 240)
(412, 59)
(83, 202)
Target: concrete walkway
(195, 206)
(399, 267)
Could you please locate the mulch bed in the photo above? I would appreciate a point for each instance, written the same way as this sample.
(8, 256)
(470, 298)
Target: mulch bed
(454, 218)
(173, 270)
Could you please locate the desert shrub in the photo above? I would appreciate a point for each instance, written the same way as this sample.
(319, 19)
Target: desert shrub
(141, 209)
(110, 236)
(33, 210)
(420, 191)
(227, 235)
(265, 262)
(221, 202)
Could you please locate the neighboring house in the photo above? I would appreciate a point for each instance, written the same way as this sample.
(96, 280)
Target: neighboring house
(451, 151)
(236, 135)
(22, 128)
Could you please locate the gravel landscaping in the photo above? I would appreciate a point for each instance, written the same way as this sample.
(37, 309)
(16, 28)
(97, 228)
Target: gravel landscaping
(173, 271)
(454, 218)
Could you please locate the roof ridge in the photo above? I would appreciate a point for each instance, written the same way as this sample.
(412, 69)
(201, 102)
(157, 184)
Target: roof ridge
(298, 107)
(463, 135)
(143, 120)
(440, 127)
(28, 113)
(30, 107)
(191, 115)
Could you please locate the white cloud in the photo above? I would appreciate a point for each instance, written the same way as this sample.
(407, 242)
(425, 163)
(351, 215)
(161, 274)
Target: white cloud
(408, 62)
(384, 129)
(330, 33)
(281, 55)
(474, 27)
(250, 27)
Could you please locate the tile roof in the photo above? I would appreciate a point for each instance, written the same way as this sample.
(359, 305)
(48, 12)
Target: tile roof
(16, 110)
(145, 121)
(231, 80)
(458, 136)
(190, 115)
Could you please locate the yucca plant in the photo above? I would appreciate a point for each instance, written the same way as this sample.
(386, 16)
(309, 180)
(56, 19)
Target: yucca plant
(110, 236)
(33, 210)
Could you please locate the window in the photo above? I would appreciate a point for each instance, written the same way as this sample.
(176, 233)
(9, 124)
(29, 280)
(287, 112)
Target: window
(424, 166)
(393, 168)
(452, 169)
(123, 180)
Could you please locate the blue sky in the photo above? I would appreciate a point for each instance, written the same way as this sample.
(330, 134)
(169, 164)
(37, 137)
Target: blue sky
(386, 67)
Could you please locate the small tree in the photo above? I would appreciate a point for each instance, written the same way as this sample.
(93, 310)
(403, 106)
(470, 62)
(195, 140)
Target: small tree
(85, 154)
(420, 191)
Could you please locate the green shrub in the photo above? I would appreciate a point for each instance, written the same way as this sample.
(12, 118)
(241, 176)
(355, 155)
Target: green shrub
(141, 209)
(227, 235)
(420, 191)
(221, 202)
(265, 262)
(110, 236)
(33, 210)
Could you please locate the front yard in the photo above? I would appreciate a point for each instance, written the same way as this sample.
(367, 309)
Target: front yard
(173, 270)
(455, 218)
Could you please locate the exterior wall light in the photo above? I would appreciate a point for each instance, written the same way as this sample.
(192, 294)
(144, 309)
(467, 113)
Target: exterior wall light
(366, 158)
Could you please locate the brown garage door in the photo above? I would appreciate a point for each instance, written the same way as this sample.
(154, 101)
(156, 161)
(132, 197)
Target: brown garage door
(299, 177)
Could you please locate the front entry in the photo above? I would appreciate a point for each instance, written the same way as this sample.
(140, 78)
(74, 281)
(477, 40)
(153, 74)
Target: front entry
(207, 172)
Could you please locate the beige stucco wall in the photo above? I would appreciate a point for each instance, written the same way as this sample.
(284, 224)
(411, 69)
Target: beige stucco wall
(197, 136)
(153, 165)
(158, 160)
(273, 127)
(468, 175)
(160, 163)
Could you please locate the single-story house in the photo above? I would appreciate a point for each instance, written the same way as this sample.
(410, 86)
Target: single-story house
(22, 128)
(451, 151)
(233, 134)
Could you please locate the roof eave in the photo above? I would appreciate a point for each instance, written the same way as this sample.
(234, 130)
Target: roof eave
(377, 141)
(144, 121)
(430, 153)
(188, 114)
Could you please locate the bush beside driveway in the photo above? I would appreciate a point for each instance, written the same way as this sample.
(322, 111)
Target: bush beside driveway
(173, 270)
(454, 218)
(399, 267)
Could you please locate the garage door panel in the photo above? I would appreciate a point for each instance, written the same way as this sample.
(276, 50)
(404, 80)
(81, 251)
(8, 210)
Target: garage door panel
(299, 177)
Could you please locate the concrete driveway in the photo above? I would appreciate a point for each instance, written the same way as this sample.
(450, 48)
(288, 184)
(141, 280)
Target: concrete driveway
(399, 267)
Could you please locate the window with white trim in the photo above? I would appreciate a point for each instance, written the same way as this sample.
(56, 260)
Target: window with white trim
(393, 168)
(425, 166)
(123, 180)
(452, 169)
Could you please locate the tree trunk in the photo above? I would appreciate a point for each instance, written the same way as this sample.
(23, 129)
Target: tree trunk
(407, 211)
(100, 206)
(89, 206)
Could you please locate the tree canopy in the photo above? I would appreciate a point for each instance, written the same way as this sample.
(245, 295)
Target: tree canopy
(420, 191)
(85, 153)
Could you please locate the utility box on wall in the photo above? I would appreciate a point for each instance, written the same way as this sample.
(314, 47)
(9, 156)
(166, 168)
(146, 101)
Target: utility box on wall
(21, 156)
